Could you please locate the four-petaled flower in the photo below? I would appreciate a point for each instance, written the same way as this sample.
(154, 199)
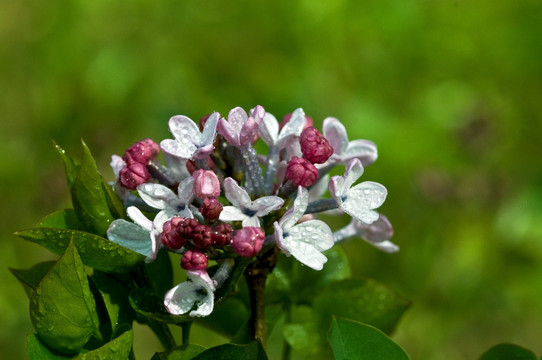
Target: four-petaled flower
(189, 142)
(161, 197)
(244, 209)
(307, 240)
(344, 150)
(360, 200)
(142, 237)
(199, 291)
(241, 129)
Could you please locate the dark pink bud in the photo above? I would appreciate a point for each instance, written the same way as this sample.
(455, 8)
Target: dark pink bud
(248, 241)
(186, 228)
(206, 184)
(133, 175)
(210, 208)
(202, 236)
(287, 117)
(142, 152)
(301, 172)
(170, 236)
(315, 146)
(222, 234)
(194, 260)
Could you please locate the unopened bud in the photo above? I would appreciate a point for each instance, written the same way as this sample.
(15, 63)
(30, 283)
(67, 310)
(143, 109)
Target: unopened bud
(134, 175)
(170, 236)
(301, 172)
(194, 260)
(210, 208)
(222, 235)
(206, 184)
(202, 236)
(315, 146)
(142, 152)
(248, 241)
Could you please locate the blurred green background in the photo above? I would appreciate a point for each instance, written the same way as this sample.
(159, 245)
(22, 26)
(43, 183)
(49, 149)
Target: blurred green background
(451, 92)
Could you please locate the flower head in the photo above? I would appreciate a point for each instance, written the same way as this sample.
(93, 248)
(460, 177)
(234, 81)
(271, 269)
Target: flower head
(357, 201)
(198, 291)
(243, 208)
(307, 240)
(241, 129)
(189, 142)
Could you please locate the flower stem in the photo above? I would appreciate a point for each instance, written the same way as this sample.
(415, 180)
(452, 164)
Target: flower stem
(321, 205)
(186, 332)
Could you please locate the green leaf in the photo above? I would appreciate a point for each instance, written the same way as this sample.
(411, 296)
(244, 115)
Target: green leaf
(160, 273)
(62, 308)
(226, 318)
(118, 348)
(302, 333)
(349, 339)
(61, 219)
(71, 165)
(37, 351)
(363, 300)
(185, 352)
(252, 351)
(113, 201)
(89, 198)
(151, 307)
(508, 352)
(292, 282)
(230, 285)
(114, 295)
(243, 335)
(95, 251)
(30, 278)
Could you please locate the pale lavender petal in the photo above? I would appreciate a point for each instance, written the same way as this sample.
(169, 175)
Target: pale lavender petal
(386, 246)
(319, 188)
(336, 188)
(183, 127)
(237, 117)
(297, 210)
(248, 132)
(175, 148)
(251, 221)
(269, 129)
(176, 166)
(352, 173)
(131, 236)
(266, 204)
(199, 290)
(317, 233)
(232, 213)
(293, 148)
(157, 195)
(257, 113)
(137, 216)
(186, 190)
(379, 231)
(335, 133)
(362, 198)
(209, 130)
(294, 127)
(235, 194)
(364, 150)
(117, 164)
(230, 133)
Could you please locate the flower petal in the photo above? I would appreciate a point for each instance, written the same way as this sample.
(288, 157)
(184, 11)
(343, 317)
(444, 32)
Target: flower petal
(137, 216)
(362, 198)
(157, 195)
(131, 236)
(235, 194)
(209, 130)
(186, 190)
(269, 129)
(251, 221)
(181, 298)
(232, 213)
(379, 231)
(364, 150)
(386, 246)
(335, 133)
(230, 133)
(184, 129)
(294, 127)
(297, 210)
(237, 117)
(176, 166)
(117, 164)
(266, 204)
(176, 148)
(352, 173)
(319, 188)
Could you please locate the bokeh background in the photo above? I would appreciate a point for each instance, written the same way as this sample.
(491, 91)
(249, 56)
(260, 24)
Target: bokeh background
(451, 92)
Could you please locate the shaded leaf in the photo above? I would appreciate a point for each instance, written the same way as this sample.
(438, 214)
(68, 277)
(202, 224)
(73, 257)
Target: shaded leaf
(160, 273)
(229, 287)
(362, 300)
(252, 351)
(61, 219)
(349, 339)
(272, 315)
(508, 352)
(185, 352)
(151, 307)
(62, 308)
(95, 251)
(30, 278)
(35, 350)
(118, 348)
(302, 333)
(71, 165)
(226, 318)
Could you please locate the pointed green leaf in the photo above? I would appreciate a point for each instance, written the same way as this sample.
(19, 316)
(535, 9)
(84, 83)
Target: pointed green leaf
(61, 219)
(302, 333)
(160, 273)
(350, 339)
(96, 251)
(185, 352)
(37, 351)
(252, 351)
(508, 352)
(118, 348)
(30, 278)
(62, 308)
(230, 285)
(151, 307)
(113, 201)
(71, 165)
(362, 300)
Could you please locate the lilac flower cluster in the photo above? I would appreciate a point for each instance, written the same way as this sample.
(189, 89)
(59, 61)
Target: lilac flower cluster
(216, 199)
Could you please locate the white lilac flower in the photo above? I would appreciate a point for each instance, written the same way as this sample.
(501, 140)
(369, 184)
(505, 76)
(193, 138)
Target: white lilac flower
(357, 201)
(243, 208)
(344, 150)
(141, 236)
(161, 197)
(377, 234)
(198, 291)
(307, 240)
(269, 128)
(189, 142)
(241, 129)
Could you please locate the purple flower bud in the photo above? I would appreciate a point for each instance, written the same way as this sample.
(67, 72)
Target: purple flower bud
(222, 234)
(170, 236)
(202, 236)
(248, 241)
(186, 228)
(314, 146)
(194, 260)
(211, 208)
(142, 152)
(301, 172)
(134, 175)
(206, 184)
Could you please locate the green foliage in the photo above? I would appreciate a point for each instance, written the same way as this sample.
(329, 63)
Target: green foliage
(62, 308)
(185, 352)
(354, 340)
(30, 278)
(252, 351)
(508, 352)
